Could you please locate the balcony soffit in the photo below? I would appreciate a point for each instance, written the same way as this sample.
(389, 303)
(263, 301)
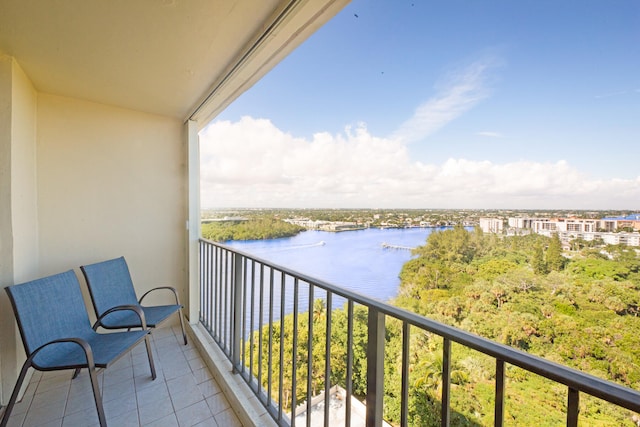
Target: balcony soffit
(157, 56)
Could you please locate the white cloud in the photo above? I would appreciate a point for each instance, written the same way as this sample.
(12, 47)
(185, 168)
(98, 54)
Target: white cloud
(460, 92)
(489, 134)
(252, 163)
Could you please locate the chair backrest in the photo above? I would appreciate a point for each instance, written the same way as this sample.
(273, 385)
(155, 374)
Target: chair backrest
(109, 284)
(49, 308)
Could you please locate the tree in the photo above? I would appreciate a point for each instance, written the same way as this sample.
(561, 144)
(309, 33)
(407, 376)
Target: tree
(555, 260)
(538, 263)
(454, 245)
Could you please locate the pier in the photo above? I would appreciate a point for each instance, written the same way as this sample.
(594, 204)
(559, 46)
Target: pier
(390, 246)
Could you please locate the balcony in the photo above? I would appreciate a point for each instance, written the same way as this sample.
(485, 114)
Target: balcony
(234, 370)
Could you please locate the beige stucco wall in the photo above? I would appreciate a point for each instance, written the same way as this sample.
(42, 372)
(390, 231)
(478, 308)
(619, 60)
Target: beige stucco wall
(18, 206)
(112, 182)
(82, 182)
(24, 190)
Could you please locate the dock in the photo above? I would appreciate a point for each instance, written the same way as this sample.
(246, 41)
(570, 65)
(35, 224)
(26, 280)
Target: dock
(390, 246)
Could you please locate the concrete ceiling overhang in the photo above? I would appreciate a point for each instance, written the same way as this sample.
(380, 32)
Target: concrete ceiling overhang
(181, 58)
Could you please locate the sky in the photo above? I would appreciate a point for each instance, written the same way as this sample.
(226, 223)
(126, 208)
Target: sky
(531, 104)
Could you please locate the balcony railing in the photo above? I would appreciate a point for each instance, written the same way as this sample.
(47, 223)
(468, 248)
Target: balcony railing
(244, 297)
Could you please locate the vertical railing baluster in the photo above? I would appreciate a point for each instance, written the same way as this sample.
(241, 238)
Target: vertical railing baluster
(282, 365)
(404, 400)
(200, 285)
(260, 323)
(213, 289)
(270, 348)
(236, 313)
(349, 379)
(208, 284)
(243, 314)
(215, 282)
(226, 316)
(203, 299)
(375, 367)
(222, 288)
(327, 361)
(310, 356)
(215, 311)
(294, 346)
(499, 403)
(446, 383)
(573, 399)
(218, 289)
(252, 315)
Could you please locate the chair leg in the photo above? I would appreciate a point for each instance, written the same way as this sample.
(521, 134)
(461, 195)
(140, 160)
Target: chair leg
(97, 397)
(14, 395)
(76, 373)
(184, 335)
(150, 356)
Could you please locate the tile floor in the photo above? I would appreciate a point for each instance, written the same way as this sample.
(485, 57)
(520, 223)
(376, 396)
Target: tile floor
(183, 394)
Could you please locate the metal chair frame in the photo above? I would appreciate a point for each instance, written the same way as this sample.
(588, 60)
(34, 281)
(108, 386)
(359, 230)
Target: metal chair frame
(113, 276)
(62, 291)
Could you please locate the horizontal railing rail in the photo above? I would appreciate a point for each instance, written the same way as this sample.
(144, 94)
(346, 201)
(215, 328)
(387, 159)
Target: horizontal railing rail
(244, 298)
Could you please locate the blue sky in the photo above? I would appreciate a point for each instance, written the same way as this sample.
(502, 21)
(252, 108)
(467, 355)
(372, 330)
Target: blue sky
(434, 104)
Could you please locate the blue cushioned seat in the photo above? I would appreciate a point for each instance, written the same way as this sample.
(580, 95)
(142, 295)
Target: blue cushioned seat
(110, 286)
(57, 334)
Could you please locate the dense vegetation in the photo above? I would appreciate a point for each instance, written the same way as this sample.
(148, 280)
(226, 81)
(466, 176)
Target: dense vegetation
(523, 291)
(254, 229)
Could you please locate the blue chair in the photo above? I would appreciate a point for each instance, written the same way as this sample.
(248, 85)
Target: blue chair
(57, 334)
(110, 285)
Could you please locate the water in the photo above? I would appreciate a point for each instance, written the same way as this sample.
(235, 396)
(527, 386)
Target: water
(354, 260)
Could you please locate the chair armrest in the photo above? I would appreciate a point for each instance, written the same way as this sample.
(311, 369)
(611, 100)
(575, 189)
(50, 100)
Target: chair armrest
(135, 308)
(171, 288)
(81, 342)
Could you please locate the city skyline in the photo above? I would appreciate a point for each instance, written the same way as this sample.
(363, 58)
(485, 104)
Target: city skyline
(456, 105)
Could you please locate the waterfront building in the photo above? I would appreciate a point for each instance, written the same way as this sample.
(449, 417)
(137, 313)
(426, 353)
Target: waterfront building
(607, 229)
(492, 225)
(627, 222)
(520, 222)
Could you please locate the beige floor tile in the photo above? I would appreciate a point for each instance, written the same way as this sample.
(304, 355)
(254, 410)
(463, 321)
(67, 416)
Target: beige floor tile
(209, 388)
(80, 402)
(149, 394)
(217, 403)
(45, 414)
(85, 418)
(183, 394)
(194, 414)
(128, 419)
(228, 418)
(155, 410)
(53, 396)
(16, 420)
(209, 422)
(202, 375)
(168, 421)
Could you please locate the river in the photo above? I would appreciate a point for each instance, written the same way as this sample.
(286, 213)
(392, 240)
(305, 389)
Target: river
(355, 260)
